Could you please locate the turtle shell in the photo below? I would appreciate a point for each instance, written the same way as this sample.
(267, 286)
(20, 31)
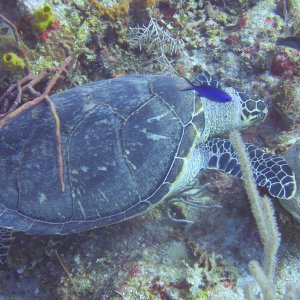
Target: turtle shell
(124, 144)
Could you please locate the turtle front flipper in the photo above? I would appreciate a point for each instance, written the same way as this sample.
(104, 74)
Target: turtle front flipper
(269, 171)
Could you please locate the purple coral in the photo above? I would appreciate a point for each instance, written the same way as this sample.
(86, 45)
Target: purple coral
(282, 65)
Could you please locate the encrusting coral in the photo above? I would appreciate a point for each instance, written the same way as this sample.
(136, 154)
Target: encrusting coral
(113, 12)
(285, 96)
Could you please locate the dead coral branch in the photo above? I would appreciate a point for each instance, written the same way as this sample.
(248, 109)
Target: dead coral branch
(17, 38)
(26, 85)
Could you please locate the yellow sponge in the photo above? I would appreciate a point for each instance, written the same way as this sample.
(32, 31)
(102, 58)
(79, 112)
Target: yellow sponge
(12, 62)
(43, 18)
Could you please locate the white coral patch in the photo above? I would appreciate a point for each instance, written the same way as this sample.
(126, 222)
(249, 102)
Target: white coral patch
(154, 136)
(42, 198)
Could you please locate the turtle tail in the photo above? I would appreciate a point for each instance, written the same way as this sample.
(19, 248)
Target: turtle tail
(269, 171)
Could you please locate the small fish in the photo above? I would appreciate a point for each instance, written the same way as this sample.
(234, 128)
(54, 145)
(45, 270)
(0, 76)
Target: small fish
(208, 91)
(291, 42)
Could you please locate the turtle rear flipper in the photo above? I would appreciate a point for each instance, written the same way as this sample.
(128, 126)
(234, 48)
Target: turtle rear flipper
(6, 239)
(269, 171)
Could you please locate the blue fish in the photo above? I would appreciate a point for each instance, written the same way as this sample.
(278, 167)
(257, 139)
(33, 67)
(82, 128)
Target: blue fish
(209, 91)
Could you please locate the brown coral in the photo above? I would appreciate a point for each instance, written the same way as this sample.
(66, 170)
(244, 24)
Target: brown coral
(286, 100)
(113, 12)
(290, 11)
(151, 2)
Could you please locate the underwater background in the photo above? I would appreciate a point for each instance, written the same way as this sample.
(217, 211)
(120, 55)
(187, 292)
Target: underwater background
(150, 257)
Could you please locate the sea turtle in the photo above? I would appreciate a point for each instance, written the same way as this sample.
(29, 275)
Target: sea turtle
(127, 143)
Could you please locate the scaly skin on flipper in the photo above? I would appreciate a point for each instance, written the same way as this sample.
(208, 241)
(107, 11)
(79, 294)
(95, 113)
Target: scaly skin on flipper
(6, 239)
(292, 205)
(269, 171)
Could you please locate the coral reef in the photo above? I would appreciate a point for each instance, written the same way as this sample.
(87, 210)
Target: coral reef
(235, 5)
(155, 40)
(285, 63)
(290, 12)
(149, 257)
(113, 12)
(285, 96)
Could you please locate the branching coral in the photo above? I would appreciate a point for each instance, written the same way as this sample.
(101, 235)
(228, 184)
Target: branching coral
(263, 212)
(157, 41)
(208, 271)
(12, 102)
(13, 96)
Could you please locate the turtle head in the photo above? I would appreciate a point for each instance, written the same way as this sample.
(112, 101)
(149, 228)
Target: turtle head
(243, 111)
(253, 109)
